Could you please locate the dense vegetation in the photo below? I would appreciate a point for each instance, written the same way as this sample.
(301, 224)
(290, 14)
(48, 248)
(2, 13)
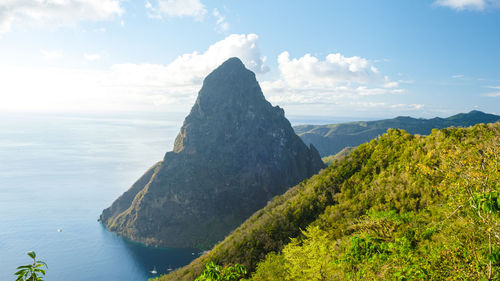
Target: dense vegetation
(400, 207)
(328, 160)
(332, 138)
(214, 272)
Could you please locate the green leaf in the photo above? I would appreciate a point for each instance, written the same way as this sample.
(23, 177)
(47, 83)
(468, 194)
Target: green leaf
(40, 270)
(22, 271)
(32, 254)
(41, 262)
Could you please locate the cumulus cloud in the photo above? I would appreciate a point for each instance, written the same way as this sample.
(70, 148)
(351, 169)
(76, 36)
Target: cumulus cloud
(177, 8)
(184, 75)
(235, 45)
(57, 12)
(124, 86)
(309, 80)
(308, 71)
(320, 86)
(460, 5)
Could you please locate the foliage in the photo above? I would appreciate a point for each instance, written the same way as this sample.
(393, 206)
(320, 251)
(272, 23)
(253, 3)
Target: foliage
(420, 208)
(33, 271)
(271, 268)
(214, 272)
(328, 160)
(401, 207)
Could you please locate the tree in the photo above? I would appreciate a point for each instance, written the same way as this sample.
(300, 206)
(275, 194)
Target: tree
(214, 272)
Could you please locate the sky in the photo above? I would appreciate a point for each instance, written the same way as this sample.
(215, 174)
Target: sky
(349, 59)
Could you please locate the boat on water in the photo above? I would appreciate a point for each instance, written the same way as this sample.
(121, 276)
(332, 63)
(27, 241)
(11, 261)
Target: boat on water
(154, 270)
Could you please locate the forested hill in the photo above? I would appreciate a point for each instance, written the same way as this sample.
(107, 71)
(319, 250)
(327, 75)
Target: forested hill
(400, 207)
(330, 139)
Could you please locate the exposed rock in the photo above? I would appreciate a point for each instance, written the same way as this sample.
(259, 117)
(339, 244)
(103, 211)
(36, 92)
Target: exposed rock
(234, 152)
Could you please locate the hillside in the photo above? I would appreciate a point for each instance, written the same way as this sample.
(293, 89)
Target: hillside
(234, 152)
(330, 139)
(328, 160)
(400, 207)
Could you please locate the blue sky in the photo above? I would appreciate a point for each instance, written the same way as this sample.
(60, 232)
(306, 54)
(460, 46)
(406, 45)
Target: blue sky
(359, 59)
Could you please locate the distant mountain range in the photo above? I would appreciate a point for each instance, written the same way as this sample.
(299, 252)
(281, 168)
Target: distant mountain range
(331, 139)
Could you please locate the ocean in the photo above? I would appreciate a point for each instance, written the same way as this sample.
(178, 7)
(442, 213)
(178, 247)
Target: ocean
(58, 172)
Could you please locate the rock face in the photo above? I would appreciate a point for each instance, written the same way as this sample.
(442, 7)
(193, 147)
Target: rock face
(234, 152)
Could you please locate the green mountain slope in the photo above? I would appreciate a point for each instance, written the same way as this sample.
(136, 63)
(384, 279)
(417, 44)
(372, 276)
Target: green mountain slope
(328, 160)
(330, 139)
(401, 207)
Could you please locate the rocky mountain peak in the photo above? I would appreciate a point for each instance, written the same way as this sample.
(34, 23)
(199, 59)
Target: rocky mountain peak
(234, 152)
(229, 101)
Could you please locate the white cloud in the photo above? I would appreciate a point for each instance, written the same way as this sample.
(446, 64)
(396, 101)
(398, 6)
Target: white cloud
(492, 94)
(308, 71)
(309, 80)
(354, 108)
(51, 55)
(412, 106)
(335, 84)
(92, 57)
(221, 23)
(389, 83)
(123, 86)
(195, 66)
(58, 12)
(177, 8)
(461, 5)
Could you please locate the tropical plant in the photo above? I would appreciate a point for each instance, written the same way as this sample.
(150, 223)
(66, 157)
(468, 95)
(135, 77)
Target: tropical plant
(214, 272)
(33, 271)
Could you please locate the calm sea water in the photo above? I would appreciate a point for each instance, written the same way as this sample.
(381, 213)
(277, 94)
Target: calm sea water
(59, 172)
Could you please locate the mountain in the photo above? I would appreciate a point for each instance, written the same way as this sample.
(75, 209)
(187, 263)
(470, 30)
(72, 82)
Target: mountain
(328, 160)
(234, 152)
(330, 139)
(400, 207)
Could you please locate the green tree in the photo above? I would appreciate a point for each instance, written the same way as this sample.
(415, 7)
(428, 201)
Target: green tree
(214, 272)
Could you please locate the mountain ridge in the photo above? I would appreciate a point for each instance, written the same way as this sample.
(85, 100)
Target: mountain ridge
(332, 138)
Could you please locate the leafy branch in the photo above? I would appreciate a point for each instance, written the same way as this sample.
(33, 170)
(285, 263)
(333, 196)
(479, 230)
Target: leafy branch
(33, 271)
